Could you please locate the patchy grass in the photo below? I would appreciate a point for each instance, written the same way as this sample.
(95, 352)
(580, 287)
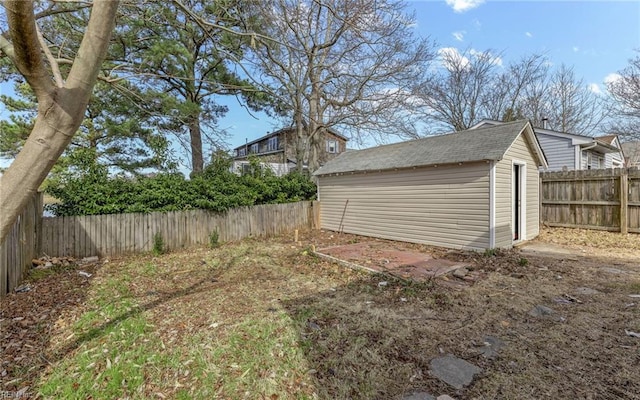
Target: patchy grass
(265, 319)
(594, 243)
(203, 324)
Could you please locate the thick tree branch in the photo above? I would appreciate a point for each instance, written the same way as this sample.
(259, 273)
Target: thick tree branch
(94, 45)
(27, 55)
(7, 48)
(53, 11)
(55, 69)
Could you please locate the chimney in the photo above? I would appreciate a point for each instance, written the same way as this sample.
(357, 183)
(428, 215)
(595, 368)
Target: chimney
(545, 122)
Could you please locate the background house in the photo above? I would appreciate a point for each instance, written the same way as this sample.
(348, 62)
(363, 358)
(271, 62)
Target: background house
(569, 151)
(631, 153)
(277, 150)
(474, 189)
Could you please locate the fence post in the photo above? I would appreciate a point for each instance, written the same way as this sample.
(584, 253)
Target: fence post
(624, 201)
(38, 226)
(540, 193)
(315, 208)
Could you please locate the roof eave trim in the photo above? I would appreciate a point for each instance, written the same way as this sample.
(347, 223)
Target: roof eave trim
(365, 171)
(530, 133)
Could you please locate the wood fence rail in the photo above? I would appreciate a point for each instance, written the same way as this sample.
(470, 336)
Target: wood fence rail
(606, 199)
(116, 234)
(21, 245)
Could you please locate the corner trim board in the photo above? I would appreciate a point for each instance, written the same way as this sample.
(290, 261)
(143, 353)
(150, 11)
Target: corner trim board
(492, 204)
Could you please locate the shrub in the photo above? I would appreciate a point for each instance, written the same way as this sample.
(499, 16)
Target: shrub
(215, 189)
(214, 239)
(158, 244)
(490, 252)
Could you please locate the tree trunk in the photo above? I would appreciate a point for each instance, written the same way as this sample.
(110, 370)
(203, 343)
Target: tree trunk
(301, 141)
(45, 144)
(195, 136)
(314, 152)
(315, 124)
(60, 109)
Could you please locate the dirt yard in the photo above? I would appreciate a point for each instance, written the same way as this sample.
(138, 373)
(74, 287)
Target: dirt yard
(266, 319)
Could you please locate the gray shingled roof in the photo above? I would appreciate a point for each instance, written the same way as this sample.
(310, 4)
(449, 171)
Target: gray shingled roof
(489, 143)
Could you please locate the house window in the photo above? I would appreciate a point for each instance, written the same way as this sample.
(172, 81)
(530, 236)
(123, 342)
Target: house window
(255, 148)
(332, 146)
(592, 160)
(242, 152)
(272, 143)
(246, 169)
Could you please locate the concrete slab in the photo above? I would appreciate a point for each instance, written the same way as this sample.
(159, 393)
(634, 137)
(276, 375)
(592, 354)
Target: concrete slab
(380, 257)
(550, 250)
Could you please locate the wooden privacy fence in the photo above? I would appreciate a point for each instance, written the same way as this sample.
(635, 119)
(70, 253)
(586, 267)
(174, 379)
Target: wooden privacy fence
(115, 234)
(593, 199)
(20, 246)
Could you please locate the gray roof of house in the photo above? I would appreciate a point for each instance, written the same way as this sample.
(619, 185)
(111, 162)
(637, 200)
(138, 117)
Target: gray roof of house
(490, 143)
(284, 130)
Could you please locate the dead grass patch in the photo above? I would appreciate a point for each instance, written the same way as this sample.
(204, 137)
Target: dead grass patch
(266, 319)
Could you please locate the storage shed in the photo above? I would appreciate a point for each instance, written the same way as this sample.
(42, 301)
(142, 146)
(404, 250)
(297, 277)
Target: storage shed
(476, 189)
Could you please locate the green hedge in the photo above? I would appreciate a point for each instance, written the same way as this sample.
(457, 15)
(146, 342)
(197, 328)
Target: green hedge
(216, 189)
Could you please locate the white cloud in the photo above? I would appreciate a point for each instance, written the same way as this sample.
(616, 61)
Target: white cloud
(450, 56)
(459, 35)
(611, 78)
(494, 59)
(595, 88)
(528, 34)
(576, 49)
(463, 5)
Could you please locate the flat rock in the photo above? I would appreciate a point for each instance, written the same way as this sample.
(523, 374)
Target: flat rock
(491, 346)
(419, 396)
(453, 371)
(614, 271)
(460, 272)
(445, 397)
(541, 311)
(586, 290)
(90, 259)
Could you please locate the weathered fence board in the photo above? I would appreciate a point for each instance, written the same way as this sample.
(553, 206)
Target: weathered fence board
(109, 235)
(606, 199)
(21, 245)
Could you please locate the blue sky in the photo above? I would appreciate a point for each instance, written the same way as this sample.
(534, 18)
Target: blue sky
(597, 38)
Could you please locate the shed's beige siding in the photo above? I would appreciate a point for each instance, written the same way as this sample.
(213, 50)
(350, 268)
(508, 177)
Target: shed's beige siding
(443, 206)
(520, 150)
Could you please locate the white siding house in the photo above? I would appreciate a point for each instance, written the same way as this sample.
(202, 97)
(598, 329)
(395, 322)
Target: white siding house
(613, 159)
(474, 189)
(568, 151)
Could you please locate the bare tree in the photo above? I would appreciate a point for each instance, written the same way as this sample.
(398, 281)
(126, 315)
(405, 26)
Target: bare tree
(510, 88)
(62, 101)
(473, 85)
(571, 105)
(347, 64)
(457, 96)
(625, 92)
